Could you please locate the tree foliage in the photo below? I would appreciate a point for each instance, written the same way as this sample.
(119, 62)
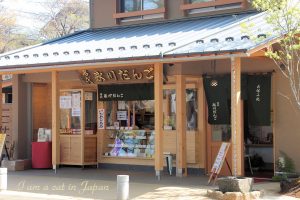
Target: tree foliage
(9, 37)
(63, 17)
(284, 16)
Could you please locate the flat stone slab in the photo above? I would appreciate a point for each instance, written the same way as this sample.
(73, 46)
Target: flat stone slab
(235, 184)
(216, 194)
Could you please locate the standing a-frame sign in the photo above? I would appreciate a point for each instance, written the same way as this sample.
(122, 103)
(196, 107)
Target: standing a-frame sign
(220, 158)
(2, 143)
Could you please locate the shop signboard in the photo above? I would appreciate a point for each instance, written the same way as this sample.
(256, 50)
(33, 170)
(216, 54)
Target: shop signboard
(126, 92)
(219, 161)
(118, 75)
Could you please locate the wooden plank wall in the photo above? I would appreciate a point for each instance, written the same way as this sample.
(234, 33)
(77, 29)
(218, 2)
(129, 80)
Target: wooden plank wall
(41, 107)
(7, 123)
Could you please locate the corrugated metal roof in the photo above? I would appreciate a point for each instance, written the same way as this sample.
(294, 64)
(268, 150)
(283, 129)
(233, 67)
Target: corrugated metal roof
(214, 34)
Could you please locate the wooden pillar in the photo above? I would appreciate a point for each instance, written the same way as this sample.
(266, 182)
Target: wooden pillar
(1, 104)
(55, 120)
(236, 118)
(181, 168)
(158, 115)
(202, 123)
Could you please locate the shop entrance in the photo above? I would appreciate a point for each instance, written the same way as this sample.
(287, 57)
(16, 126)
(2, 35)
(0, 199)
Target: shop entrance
(258, 141)
(257, 133)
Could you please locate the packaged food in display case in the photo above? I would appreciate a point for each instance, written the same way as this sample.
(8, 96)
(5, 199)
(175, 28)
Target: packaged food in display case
(131, 143)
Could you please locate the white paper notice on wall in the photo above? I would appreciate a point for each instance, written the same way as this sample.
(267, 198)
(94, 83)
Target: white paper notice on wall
(65, 102)
(75, 100)
(101, 118)
(75, 112)
(121, 115)
(88, 96)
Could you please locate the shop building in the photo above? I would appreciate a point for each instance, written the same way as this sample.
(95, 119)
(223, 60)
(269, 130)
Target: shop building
(150, 79)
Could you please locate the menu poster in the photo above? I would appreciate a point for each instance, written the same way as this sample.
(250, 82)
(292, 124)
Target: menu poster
(65, 102)
(75, 100)
(101, 119)
(121, 115)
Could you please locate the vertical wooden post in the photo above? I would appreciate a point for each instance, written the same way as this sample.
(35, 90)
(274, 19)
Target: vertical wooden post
(158, 115)
(273, 118)
(1, 103)
(202, 123)
(181, 126)
(236, 118)
(55, 120)
(82, 125)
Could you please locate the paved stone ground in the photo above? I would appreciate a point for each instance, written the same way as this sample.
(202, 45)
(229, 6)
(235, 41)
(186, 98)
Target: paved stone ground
(77, 183)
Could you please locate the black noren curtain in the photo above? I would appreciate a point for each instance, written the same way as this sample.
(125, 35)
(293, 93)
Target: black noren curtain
(217, 92)
(259, 100)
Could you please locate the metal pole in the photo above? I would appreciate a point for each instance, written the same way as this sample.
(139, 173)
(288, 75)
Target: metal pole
(3, 179)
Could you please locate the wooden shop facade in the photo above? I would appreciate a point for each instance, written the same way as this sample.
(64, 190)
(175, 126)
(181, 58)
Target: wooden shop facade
(132, 95)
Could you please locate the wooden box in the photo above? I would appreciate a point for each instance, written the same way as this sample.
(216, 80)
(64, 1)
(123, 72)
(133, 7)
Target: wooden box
(13, 165)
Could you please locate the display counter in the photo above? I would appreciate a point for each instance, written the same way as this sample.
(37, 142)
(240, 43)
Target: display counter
(129, 143)
(75, 150)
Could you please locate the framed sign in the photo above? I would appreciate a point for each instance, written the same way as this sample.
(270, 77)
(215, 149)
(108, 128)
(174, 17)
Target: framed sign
(121, 115)
(220, 158)
(101, 119)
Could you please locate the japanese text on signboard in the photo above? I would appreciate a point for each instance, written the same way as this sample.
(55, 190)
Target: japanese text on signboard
(120, 75)
(215, 106)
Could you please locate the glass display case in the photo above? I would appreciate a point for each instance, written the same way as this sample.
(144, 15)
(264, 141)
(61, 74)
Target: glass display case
(130, 143)
(78, 127)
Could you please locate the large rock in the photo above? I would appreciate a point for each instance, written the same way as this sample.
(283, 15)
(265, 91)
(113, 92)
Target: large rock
(235, 184)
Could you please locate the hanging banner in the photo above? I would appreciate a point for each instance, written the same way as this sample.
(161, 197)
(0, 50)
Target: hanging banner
(101, 119)
(259, 100)
(126, 92)
(217, 92)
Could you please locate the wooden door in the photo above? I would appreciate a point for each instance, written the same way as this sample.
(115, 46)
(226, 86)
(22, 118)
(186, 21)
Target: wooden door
(216, 134)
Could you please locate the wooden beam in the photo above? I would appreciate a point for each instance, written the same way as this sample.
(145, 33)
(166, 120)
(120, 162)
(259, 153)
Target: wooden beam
(260, 53)
(55, 120)
(236, 118)
(181, 168)
(41, 68)
(158, 106)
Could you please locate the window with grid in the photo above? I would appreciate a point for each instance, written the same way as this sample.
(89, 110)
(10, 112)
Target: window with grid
(140, 5)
